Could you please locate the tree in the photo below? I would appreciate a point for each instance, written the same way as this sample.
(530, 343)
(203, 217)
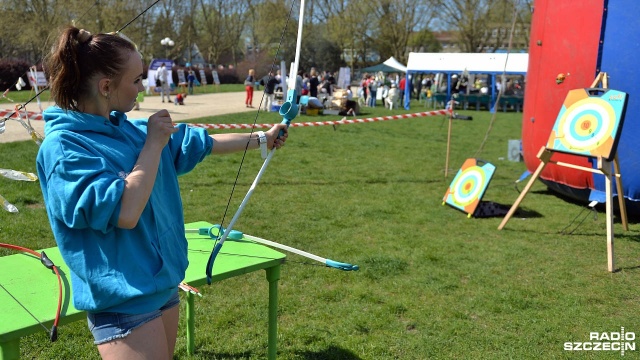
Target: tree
(223, 23)
(397, 20)
(483, 25)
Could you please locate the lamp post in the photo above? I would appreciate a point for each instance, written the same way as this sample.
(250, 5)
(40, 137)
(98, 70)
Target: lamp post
(167, 43)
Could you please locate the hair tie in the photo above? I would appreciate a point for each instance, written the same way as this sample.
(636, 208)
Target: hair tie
(84, 36)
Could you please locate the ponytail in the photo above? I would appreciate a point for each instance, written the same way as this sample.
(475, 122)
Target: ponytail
(77, 57)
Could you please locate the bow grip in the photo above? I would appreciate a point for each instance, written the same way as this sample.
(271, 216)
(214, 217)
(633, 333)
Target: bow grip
(289, 110)
(208, 231)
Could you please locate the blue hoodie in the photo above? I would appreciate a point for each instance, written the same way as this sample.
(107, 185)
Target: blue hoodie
(82, 165)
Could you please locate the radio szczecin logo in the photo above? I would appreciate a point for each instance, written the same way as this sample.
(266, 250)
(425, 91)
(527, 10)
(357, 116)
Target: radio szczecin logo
(605, 341)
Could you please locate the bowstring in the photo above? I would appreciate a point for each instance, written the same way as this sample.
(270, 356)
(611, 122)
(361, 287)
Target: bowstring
(25, 308)
(255, 121)
(137, 16)
(502, 89)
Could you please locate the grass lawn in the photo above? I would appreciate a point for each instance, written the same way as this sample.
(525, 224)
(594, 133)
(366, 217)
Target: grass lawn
(433, 283)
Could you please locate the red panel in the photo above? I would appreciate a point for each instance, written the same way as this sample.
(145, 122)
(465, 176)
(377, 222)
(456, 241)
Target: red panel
(565, 38)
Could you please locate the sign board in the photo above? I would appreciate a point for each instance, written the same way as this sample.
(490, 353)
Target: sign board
(39, 80)
(515, 150)
(344, 78)
(181, 78)
(203, 77)
(216, 80)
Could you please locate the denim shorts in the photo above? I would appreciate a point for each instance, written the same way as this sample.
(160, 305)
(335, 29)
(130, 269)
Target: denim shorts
(108, 326)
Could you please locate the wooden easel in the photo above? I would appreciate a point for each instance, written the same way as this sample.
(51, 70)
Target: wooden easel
(608, 168)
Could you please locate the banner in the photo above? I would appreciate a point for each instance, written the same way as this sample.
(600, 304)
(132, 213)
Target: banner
(216, 80)
(39, 79)
(203, 77)
(181, 78)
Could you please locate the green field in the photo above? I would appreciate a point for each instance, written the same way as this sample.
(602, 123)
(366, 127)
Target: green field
(433, 283)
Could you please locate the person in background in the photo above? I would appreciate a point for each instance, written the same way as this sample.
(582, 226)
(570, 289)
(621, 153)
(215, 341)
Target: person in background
(313, 83)
(402, 84)
(392, 96)
(179, 99)
(305, 84)
(139, 99)
(111, 191)
(164, 80)
(249, 85)
(191, 79)
(299, 86)
(372, 84)
(269, 82)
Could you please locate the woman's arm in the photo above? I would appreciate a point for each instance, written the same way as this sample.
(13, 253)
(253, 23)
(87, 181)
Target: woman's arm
(140, 181)
(234, 142)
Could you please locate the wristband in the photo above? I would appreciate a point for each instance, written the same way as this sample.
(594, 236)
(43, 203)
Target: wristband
(262, 140)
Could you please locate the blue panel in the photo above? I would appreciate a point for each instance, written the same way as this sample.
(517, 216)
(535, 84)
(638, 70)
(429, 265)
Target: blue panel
(619, 59)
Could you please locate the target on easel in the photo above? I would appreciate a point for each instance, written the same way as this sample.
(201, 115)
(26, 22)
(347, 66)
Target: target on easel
(589, 123)
(469, 185)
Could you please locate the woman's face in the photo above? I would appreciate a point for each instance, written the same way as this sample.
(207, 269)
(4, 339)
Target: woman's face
(123, 98)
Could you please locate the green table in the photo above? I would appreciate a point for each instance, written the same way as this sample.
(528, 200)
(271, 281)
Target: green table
(25, 280)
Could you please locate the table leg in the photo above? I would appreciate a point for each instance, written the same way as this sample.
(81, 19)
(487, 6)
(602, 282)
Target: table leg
(10, 350)
(191, 324)
(273, 275)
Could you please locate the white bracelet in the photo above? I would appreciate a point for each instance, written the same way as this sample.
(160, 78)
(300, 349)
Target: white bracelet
(262, 139)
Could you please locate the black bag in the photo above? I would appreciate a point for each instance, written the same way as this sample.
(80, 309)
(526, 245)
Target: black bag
(158, 83)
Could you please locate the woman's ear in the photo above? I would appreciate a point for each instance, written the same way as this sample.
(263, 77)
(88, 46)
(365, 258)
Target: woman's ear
(104, 87)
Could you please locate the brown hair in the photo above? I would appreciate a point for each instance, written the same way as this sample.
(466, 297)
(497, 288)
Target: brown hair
(77, 58)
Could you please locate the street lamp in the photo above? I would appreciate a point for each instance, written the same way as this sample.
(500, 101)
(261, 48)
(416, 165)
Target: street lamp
(167, 43)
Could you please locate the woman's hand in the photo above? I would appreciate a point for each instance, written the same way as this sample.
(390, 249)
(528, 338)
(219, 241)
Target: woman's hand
(273, 140)
(159, 128)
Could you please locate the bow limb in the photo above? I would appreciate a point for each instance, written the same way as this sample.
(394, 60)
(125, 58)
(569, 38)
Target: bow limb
(237, 235)
(288, 111)
(53, 332)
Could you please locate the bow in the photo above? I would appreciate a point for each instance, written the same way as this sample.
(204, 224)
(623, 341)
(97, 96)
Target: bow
(53, 332)
(215, 230)
(288, 111)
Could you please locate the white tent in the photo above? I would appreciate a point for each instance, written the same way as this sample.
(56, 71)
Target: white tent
(395, 64)
(484, 63)
(473, 63)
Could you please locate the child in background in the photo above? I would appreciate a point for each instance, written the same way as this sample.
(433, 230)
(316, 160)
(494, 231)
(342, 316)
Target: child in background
(179, 99)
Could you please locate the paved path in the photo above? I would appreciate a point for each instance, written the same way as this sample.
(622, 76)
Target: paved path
(196, 106)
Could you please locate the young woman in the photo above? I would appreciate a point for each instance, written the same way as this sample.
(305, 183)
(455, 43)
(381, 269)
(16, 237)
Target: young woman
(249, 85)
(111, 191)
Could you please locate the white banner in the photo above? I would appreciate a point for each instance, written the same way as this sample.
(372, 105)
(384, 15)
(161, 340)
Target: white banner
(39, 80)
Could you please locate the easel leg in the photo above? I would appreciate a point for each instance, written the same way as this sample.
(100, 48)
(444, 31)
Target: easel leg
(544, 156)
(609, 217)
(621, 203)
(446, 161)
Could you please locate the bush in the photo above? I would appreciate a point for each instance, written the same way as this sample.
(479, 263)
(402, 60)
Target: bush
(10, 71)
